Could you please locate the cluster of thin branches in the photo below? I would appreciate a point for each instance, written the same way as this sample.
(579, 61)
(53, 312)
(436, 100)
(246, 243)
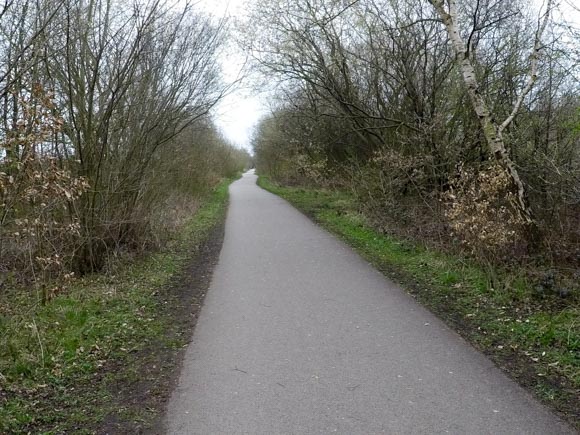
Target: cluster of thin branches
(445, 84)
(104, 113)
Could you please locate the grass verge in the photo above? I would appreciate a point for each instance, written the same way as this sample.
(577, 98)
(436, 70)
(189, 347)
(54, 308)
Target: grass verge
(534, 339)
(100, 357)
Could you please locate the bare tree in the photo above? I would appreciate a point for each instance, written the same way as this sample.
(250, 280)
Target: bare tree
(492, 129)
(118, 85)
(128, 79)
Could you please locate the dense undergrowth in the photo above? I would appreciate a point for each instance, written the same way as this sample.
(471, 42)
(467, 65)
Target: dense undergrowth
(63, 363)
(533, 336)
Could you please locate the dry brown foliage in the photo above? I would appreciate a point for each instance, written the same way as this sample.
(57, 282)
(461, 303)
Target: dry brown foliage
(39, 228)
(482, 211)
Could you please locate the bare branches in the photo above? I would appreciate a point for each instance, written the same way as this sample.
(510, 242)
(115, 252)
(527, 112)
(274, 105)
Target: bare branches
(534, 58)
(127, 80)
(491, 129)
(372, 99)
(327, 20)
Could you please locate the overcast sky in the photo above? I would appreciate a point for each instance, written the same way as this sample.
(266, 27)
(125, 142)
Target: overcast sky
(239, 112)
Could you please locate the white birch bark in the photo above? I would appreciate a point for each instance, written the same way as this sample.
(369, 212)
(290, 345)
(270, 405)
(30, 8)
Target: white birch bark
(491, 129)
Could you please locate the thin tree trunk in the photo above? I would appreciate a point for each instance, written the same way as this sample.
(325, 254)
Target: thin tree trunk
(493, 131)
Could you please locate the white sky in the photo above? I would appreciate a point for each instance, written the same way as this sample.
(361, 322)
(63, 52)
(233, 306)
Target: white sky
(239, 112)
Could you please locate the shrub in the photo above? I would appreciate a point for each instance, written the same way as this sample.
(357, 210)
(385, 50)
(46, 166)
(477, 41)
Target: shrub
(481, 210)
(39, 230)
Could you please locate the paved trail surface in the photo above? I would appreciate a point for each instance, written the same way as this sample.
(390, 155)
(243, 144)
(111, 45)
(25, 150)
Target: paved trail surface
(299, 335)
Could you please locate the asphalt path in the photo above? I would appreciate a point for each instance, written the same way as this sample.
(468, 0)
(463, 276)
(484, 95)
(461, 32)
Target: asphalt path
(299, 335)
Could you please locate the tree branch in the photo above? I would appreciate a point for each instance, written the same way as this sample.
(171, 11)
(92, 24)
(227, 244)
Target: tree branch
(534, 57)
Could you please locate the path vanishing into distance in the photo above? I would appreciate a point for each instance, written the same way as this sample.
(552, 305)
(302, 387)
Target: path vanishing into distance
(299, 335)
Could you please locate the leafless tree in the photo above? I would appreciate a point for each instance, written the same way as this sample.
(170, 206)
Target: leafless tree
(492, 128)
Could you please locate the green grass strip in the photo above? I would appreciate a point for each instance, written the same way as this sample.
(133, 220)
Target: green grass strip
(536, 341)
(59, 361)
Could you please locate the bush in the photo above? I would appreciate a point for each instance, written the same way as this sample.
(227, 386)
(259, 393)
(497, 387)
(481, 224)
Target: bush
(482, 212)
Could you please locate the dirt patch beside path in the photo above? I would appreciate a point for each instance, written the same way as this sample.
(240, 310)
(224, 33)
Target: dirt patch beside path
(142, 398)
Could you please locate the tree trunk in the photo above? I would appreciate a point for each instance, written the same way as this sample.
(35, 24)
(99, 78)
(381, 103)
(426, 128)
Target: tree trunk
(491, 129)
